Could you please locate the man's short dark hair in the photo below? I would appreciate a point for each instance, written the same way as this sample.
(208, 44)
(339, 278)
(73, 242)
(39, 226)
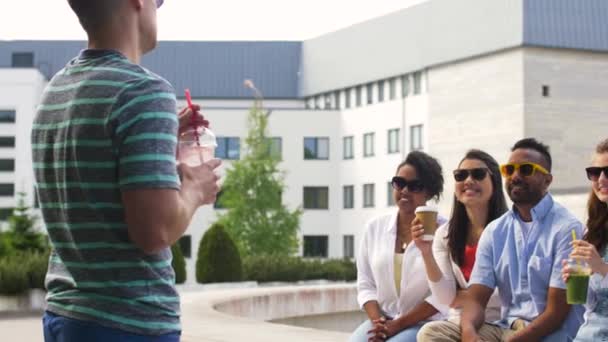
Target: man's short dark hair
(94, 14)
(533, 144)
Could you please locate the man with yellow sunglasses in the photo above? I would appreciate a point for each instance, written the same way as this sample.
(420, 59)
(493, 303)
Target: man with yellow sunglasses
(521, 253)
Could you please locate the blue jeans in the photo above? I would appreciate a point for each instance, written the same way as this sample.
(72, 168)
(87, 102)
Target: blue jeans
(62, 329)
(407, 335)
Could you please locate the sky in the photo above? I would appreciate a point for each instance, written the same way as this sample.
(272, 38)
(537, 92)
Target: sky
(205, 20)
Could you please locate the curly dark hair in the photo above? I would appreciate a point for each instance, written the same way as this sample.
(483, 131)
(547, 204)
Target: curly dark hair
(597, 213)
(459, 221)
(428, 170)
(533, 144)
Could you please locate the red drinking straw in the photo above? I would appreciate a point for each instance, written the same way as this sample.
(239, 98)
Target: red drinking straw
(192, 117)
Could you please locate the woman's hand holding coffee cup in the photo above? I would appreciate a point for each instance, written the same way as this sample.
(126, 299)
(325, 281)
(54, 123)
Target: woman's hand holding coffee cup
(417, 231)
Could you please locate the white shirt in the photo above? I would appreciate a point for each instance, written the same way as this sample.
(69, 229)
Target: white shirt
(376, 272)
(452, 277)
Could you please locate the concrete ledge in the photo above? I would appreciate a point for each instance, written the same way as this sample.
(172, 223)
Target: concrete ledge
(30, 301)
(241, 314)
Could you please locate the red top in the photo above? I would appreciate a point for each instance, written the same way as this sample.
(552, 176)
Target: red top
(469, 261)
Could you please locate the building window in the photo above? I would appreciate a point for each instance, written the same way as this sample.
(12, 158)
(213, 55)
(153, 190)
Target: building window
(368, 144)
(5, 213)
(358, 92)
(393, 140)
(546, 91)
(328, 101)
(185, 244)
(7, 165)
(405, 85)
(7, 141)
(316, 148)
(7, 116)
(315, 246)
(417, 82)
(370, 93)
(380, 91)
(275, 147)
(316, 197)
(228, 148)
(348, 243)
(347, 98)
(36, 199)
(337, 99)
(23, 60)
(348, 147)
(368, 195)
(390, 200)
(416, 137)
(348, 192)
(392, 89)
(7, 190)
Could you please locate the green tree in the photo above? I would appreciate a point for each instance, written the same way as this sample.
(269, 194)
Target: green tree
(179, 264)
(218, 258)
(256, 219)
(21, 233)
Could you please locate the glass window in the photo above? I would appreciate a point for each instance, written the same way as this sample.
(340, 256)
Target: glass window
(36, 199)
(416, 136)
(370, 93)
(228, 148)
(348, 242)
(392, 89)
(7, 190)
(7, 116)
(368, 144)
(337, 100)
(358, 92)
(23, 60)
(348, 192)
(7, 141)
(380, 91)
(315, 246)
(185, 244)
(348, 148)
(393, 140)
(390, 200)
(7, 165)
(328, 101)
(417, 82)
(5, 213)
(368, 195)
(347, 98)
(405, 85)
(316, 197)
(316, 148)
(276, 147)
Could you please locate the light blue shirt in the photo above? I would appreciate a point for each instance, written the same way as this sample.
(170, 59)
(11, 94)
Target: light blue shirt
(523, 269)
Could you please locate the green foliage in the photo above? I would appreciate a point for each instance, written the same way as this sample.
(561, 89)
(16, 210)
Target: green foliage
(256, 219)
(268, 268)
(22, 271)
(179, 264)
(218, 258)
(21, 235)
(5, 245)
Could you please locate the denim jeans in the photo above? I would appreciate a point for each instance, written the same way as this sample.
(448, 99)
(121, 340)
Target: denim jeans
(61, 329)
(406, 335)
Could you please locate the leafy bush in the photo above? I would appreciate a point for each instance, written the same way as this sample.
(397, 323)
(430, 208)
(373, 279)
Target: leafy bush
(268, 268)
(22, 271)
(179, 264)
(218, 258)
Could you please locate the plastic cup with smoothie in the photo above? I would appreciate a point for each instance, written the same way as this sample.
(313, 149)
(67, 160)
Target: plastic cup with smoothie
(578, 282)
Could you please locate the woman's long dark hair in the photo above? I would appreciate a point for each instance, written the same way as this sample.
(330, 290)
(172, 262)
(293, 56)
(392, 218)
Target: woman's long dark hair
(597, 212)
(459, 221)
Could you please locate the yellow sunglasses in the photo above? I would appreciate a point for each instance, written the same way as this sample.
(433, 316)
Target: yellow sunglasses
(524, 169)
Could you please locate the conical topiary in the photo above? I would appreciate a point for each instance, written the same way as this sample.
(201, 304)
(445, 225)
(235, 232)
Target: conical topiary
(218, 258)
(179, 264)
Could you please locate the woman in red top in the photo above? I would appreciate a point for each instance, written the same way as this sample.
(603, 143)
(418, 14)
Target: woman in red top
(449, 258)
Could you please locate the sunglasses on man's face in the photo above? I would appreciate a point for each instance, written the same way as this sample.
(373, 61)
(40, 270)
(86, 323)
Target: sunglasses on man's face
(414, 185)
(524, 169)
(159, 3)
(594, 172)
(478, 174)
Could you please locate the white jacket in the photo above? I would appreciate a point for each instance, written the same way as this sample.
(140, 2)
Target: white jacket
(376, 272)
(452, 278)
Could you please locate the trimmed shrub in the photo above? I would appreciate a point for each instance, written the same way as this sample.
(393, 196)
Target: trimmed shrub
(218, 258)
(269, 268)
(13, 277)
(37, 265)
(179, 264)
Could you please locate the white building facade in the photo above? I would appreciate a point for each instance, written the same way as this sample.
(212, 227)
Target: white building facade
(347, 107)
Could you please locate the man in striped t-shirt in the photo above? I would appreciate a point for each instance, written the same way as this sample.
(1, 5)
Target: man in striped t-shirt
(113, 199)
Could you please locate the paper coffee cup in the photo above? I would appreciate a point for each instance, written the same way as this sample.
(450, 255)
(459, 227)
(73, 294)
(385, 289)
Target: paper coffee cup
(428, 217)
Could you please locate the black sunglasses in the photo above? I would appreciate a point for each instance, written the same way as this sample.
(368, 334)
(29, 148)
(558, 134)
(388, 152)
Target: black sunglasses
(414, 185)
(159, 3)
(594, 172)
(478, 174)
